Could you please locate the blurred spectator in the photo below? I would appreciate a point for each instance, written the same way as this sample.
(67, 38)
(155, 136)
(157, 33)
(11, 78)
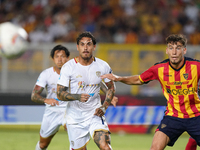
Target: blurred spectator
(155, 37)
(131, 37)
(195, 37)
(143, 37)
(191, 11)
(119, 36)
(189, 28)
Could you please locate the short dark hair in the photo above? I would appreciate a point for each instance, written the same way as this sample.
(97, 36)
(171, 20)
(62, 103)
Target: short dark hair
(59, 47)
(86, 34)
(174, 38)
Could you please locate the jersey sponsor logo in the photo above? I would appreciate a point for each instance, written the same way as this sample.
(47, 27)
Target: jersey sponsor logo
(82, 85)
(98, 73)
(53, 90)
(181, 91)
(168, 75)
(177, 83)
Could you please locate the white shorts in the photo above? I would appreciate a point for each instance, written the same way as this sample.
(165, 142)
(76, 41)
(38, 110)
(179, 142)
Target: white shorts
(52, 120)
(80, 133)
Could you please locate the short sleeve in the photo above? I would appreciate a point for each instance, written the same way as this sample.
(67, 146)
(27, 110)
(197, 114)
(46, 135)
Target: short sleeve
(41, 81)
(64, 76)
(108, 70)
(148, 75)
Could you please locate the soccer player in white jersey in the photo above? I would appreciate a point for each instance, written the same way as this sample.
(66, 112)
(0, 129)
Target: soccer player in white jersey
(85, 113)
(55, 109)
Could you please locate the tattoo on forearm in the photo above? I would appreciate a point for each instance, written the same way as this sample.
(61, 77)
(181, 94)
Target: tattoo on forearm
(36, 97)
(103, 86)
(109, 94)
(109, 97)
(63, 95)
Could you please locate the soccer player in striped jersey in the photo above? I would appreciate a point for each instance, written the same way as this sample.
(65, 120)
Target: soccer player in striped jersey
(85, 113)
(178, 76)
(55, 110)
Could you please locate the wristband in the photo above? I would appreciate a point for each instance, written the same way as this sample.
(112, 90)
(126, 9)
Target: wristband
(103, 109)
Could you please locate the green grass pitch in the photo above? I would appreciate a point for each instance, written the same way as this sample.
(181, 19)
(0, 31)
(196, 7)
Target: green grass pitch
(25, 138)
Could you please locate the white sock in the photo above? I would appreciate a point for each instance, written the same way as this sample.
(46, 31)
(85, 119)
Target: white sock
(38, 146)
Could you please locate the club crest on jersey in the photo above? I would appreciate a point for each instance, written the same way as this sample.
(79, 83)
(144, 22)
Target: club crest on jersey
(98, 73)
(185, 75)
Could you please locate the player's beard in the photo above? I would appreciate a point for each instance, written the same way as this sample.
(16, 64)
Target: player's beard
(174, 62)
(86, 58)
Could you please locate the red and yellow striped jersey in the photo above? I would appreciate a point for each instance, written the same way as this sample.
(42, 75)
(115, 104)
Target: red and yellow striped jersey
(179, 86)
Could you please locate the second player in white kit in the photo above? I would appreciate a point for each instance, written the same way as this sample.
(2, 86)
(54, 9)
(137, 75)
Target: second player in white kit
(55, 109)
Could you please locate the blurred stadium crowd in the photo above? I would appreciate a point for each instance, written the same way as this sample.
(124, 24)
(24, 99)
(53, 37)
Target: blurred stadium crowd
(111, 21)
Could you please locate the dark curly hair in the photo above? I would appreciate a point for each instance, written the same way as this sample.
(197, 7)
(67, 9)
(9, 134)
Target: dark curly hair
(59, 47)
(86, 34)
(174, 38)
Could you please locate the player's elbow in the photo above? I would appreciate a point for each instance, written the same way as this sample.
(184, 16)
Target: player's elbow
(33, 97)
(59, 95)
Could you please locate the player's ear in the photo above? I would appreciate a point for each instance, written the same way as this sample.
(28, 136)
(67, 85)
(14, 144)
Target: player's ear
(166, 50)
(185, 50)
(77, 47)
(94, 47)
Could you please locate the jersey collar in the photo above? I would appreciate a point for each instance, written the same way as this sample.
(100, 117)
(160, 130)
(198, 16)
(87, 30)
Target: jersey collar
(76, 59)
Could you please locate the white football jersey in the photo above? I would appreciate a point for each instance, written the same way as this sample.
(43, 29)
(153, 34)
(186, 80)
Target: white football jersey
(83, 79)
(48, 80)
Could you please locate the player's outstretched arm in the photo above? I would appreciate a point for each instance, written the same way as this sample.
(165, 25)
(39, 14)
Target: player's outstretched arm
(104, 88)
(36, 97)
(130, 80)
(63, 95)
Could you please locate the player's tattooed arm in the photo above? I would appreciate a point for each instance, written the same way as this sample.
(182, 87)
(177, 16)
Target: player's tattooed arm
(104, 88)
(63, 95)
(109, 96)
(36, 94)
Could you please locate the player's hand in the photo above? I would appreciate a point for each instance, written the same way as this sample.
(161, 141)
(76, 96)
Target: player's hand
(114, 101)
(100, 111)
(84, 97)
(51, 102)
(111, 76)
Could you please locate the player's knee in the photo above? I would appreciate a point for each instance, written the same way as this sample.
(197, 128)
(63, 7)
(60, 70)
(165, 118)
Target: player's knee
(44, 145)
(155, 147)
(105, 147)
